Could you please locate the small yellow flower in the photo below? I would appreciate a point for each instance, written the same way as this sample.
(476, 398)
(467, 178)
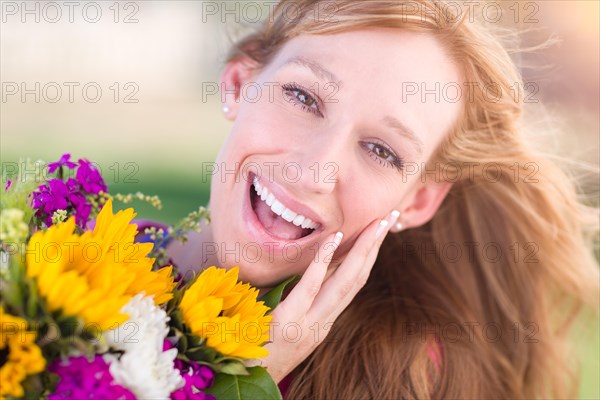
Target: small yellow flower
(93, 275)
(20, 355)
(225, 312)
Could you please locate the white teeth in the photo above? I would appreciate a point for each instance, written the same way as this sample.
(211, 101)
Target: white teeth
(288, 215)
(278, 208)
(298, 220)
(270, 199)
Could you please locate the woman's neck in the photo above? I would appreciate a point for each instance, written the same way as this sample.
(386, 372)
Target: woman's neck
(191, 256)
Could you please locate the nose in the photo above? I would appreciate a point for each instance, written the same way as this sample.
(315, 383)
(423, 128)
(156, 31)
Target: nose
(321, 163)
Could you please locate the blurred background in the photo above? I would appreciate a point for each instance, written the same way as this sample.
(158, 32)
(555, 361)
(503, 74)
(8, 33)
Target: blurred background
(125, 85)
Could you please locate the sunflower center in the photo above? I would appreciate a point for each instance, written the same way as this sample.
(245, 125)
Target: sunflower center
(4, 355)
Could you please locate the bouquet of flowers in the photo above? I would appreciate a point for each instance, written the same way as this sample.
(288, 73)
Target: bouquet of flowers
(92, 308)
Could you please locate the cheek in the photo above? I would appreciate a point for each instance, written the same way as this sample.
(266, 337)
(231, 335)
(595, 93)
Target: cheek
(272, 124)
(369, 194)
(218, 214)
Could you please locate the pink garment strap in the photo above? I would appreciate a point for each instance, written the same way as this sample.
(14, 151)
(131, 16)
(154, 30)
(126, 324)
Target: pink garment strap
(435, 351)
(285, 384)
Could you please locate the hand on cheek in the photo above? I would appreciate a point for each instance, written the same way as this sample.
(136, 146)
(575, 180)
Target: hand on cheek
(320, 297)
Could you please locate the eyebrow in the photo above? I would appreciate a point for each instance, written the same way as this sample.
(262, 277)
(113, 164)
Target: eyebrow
(406, 132)
(329, 76)
(315, 67)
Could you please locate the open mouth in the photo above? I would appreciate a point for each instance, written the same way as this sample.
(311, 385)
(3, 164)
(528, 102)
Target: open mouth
(281, 222)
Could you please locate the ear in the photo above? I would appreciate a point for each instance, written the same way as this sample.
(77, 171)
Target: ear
(235, 75)
(422, 205)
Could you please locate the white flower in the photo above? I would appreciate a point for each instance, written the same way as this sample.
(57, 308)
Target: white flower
(144, 368)
(12, 226)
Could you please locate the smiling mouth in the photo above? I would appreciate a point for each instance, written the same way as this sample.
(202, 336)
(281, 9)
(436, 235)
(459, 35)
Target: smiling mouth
(280, 221)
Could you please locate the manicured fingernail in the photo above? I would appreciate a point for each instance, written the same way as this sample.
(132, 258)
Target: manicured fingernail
(381, 228)
(338, 238)
(395, 214)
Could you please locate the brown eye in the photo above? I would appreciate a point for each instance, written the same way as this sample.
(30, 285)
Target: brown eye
(302, 99)
(381, 152)
(306, 100)
(384, 155)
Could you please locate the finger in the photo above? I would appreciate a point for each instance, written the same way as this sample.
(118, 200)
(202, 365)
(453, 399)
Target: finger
(358, 285)
(365, 272)
(337, 292)
(302, 295)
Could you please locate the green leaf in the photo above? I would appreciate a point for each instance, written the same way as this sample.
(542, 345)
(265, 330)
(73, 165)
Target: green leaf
(257, 386)
(273, 297)
(182, 344)
(200, 354)
(68, 325)
(233, 368)
(195, 341)
(50, 380)
(32, 301)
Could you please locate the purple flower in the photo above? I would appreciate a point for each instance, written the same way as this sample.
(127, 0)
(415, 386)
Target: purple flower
(58, 195)
(82, 213)
(197, 377)
(79, 202)
(50, 197)
(83, 379)
(64, 161)
(8, 183)
(89, 178)
(74, 194)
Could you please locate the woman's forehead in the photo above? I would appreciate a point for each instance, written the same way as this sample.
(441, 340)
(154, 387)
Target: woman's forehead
(382, 49)
(382, 73)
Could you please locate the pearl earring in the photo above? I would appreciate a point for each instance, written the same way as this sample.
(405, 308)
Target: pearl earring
(225, 109)
(399, 226)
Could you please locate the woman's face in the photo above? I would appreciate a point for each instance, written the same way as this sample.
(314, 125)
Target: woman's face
(335, 129)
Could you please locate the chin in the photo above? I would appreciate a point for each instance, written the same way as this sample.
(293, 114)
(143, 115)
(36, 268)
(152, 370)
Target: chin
(259, 266)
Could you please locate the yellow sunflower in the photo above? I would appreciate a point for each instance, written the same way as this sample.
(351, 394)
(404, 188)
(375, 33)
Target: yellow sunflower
(225, 312)
(19, 355)
(93, 275)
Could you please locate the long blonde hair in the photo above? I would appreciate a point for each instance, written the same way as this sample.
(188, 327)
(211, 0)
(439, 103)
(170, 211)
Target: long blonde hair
(498, 275)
